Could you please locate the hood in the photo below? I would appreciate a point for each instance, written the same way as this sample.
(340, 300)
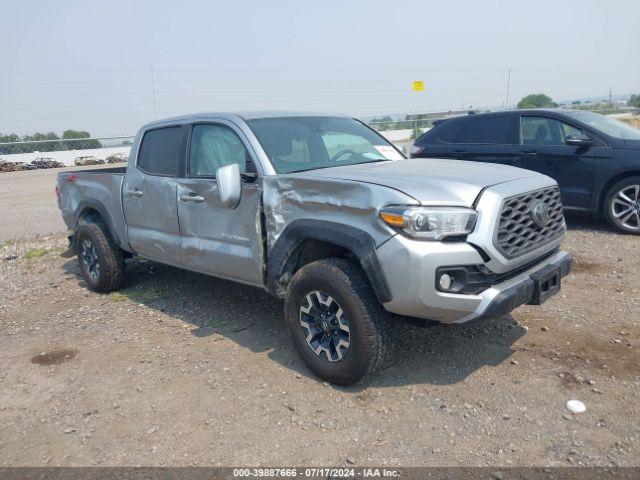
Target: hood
(632, 144)
(430, 181)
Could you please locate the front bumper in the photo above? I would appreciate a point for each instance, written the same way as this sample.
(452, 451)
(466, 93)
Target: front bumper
(409, 268)
(507, 299)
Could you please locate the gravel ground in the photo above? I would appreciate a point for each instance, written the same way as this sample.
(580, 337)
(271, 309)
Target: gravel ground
(182, 369)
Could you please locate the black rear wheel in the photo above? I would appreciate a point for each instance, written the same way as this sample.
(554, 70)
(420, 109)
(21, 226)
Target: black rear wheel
(336, 322)
(101, 260)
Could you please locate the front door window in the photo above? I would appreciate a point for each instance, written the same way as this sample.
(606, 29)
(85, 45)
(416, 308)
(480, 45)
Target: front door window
(214, 146)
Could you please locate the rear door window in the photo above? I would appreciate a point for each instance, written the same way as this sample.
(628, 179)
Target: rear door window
(545, 131)
(161, 151)
(487, 130)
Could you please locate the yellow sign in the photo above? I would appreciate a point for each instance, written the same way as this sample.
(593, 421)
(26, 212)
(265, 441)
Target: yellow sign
(418, 86)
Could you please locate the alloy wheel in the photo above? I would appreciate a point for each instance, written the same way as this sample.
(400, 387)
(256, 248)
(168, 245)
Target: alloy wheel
(325, 326)
(90, 259)
(625, 207)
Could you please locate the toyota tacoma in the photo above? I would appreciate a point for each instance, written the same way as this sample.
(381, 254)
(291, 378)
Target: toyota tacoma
(323, 212)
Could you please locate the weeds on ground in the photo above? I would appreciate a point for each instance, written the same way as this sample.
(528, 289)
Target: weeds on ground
(37, 252)
(117, 297)
(147, 293)
(139, 294)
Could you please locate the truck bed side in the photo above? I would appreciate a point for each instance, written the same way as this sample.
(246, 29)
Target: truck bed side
(94, 192)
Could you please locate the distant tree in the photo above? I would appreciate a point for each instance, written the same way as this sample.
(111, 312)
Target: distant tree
(12, 137)
(47, 142)
(383, 123)
(79, 134)
(67, 134)
(634, 101)
(43, 145)
(576, 102)
(9, 149)
(39, 137)
(382, 119)
(537, 100)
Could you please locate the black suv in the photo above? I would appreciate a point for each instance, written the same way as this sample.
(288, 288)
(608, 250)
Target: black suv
(594, 159)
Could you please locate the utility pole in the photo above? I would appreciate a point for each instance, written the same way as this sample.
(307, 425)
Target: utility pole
(610, 98)
(508, 87)
(155, 96)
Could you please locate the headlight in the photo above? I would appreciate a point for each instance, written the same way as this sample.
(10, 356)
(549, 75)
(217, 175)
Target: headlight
(430, 223)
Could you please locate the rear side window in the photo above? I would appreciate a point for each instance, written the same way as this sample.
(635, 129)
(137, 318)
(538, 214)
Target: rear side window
(492, 130)
(447, 131)
(545, 131)
(161, 151)
(452, 134)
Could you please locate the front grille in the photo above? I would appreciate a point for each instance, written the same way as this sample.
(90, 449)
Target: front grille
(518, 231)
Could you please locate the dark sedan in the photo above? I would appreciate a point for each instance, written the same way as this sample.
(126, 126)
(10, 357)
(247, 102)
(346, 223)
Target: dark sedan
(595, 159)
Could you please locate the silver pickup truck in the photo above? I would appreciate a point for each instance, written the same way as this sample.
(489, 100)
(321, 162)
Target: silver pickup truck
(324, 212)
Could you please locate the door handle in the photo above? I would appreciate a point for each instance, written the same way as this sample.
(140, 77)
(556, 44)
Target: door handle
(134, 192)
(459, 151)
(191, 198)
(529, 153)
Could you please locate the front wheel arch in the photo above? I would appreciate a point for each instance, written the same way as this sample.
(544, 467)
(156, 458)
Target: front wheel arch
(349, 240)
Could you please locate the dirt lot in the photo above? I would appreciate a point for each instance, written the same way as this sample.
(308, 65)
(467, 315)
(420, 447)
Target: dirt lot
(182, 369)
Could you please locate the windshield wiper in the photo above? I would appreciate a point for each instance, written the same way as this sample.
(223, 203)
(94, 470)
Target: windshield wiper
(345, 165)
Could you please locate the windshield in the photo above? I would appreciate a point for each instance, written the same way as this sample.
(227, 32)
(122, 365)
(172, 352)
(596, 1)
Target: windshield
(608, 125)
(295, 144)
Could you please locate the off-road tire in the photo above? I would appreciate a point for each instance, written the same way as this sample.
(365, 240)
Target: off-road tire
(370, 333)
(609, 198)
(110, 258)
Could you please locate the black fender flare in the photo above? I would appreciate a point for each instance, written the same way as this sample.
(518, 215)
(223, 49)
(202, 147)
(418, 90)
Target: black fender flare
(284, 252)
(86, 205)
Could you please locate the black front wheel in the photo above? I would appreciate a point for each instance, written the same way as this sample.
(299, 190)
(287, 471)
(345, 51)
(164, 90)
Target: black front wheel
(337, 324)
(101, 260)
(622, 205)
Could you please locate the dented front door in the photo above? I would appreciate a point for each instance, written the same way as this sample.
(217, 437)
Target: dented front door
(214, 239)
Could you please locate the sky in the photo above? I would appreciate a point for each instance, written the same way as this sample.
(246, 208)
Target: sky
(110, 66)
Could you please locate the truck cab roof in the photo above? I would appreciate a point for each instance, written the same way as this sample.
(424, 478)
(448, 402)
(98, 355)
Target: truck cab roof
(236, 116)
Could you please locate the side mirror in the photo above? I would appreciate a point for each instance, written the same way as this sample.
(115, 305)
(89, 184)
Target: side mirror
(578, 141)
(229, 185)
(402, 147)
